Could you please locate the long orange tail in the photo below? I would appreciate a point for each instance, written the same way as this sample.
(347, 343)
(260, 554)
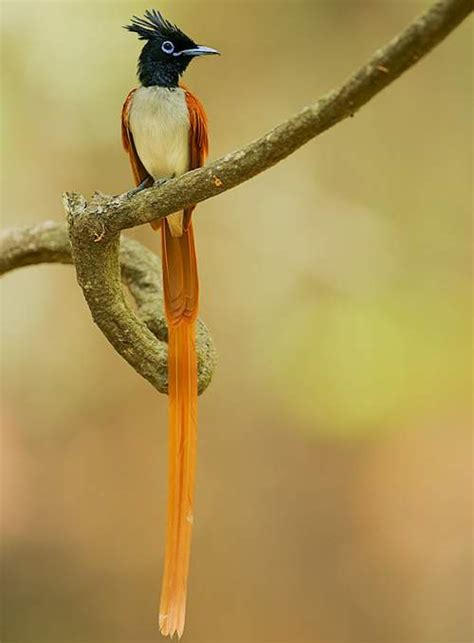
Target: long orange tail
(181, 295)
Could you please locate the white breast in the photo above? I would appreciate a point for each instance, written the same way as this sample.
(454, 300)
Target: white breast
(159, 123)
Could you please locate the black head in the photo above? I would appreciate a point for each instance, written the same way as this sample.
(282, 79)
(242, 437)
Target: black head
(168, 50)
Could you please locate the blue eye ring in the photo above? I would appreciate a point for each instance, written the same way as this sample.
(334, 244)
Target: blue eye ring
(167, 47)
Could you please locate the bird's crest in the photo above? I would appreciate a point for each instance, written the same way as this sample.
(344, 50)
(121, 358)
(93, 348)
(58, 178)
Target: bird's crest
(153, 25)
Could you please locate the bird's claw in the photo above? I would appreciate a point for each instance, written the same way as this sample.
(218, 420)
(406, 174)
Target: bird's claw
(142, 186)
(131, 193)
(147, 183)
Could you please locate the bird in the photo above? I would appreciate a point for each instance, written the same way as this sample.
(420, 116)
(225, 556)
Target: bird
(165, 134)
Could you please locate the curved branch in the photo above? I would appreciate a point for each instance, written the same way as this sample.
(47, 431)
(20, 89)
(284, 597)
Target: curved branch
(94, 228)
(386, 64)
(140, 272)
(29, 245)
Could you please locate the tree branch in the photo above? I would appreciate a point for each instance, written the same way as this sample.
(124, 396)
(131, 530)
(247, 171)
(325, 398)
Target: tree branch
(140, 272)
(94, 227)
(108, 215)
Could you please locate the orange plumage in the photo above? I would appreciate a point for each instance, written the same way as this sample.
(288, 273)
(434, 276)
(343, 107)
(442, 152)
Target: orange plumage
(181, 298)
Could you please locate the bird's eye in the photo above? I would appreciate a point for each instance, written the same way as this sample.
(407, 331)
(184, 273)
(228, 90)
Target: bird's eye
(167, 47)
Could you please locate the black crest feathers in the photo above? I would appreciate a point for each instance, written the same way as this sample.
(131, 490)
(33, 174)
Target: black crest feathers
(153, 25)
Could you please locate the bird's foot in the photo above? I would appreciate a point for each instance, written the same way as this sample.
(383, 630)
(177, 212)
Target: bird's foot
(158, 183)
(146, 183)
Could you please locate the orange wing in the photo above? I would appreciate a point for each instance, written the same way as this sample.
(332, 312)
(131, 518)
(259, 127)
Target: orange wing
(138, 169)
(198, 139)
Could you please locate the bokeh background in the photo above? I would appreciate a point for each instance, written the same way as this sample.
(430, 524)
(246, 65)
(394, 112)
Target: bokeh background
(334, 479)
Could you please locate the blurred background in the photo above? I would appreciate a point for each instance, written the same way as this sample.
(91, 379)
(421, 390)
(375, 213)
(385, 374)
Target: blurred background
(334, 476)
